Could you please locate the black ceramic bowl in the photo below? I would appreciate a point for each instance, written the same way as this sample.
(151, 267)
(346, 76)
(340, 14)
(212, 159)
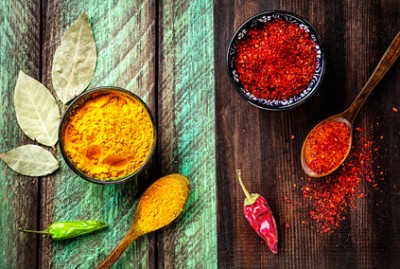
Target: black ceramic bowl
(267, 17)
(78, 102)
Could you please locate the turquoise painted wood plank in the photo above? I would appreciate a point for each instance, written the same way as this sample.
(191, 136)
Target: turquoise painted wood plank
(187, 133)
(124, 33)
(19, 50)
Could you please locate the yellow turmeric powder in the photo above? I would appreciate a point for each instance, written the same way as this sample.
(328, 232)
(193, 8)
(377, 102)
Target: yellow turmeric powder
(109, 136)
(158, 206)
(162, 202)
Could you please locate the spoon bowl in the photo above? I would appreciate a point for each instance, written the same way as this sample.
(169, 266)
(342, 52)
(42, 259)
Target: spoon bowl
(348, 116)
(310, 172)
(159, 205)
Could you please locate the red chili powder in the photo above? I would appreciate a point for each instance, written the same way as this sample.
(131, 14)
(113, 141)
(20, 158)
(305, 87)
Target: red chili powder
(332, 196)
(326, 146)
(276, 60)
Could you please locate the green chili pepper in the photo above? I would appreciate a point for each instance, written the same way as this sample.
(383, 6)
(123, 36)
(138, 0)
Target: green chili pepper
(69, 229)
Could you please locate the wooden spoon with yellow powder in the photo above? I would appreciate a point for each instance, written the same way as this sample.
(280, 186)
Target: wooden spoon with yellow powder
(159, 205)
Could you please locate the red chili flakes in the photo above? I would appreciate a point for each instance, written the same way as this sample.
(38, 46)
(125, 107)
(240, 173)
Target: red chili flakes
(395, 109)
(332, 196)
(287, 200)
(326, 146)
(287, 225)
(292, 137)
(276, 60)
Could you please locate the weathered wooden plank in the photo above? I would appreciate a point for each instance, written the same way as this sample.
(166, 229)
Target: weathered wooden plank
(125, 38)
(354, 36)
(186, 129)
(386, 210)
(19, 50)
(373, 221)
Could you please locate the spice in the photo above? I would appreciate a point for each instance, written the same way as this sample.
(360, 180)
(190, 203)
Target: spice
(69, 229)
(74, 60)
(276, 60)
(326, 146)
(162, 202)
(159, 205)
(36, 110)
(259, 215)
(109, 136)
(331, 197)
(30, 160)
(395, 109)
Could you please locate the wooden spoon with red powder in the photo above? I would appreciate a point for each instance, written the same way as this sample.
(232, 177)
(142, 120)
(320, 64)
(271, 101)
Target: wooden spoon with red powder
(327, 145)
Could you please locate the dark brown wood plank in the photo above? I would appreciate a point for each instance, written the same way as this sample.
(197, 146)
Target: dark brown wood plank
(354, 36)
(19, 50)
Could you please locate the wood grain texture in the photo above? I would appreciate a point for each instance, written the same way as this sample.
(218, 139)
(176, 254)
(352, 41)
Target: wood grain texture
(19, 50)
(186, 129)
(354, 35)
(125, 39)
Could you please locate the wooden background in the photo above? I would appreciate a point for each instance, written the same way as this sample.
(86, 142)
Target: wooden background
(172, 54)
(354, 35)
(148, 48)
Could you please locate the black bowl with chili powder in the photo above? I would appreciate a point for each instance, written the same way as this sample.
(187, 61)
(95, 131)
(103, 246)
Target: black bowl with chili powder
(275, 60)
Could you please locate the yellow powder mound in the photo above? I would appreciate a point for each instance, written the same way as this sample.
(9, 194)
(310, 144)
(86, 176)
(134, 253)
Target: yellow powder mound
(110, 136)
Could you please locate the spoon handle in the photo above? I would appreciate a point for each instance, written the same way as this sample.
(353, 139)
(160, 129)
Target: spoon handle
(131, 236)
(388, 59)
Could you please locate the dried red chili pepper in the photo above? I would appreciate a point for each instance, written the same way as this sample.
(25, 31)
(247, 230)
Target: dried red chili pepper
(259, 215)
(276, 60)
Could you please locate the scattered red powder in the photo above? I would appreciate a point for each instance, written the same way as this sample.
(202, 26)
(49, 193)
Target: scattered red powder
(276, 60)
(395, 109)
(332, 196)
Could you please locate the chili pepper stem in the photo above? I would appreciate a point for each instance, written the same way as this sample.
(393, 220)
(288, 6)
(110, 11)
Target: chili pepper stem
(239, 176)
(32, 231)
(250, 198)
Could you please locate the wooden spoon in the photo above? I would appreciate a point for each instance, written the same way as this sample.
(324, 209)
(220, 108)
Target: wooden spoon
(159, 205)
(348, 116)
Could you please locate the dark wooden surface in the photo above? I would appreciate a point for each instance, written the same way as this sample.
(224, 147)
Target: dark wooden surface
(172, 54)
(354, 36)
(18, 197)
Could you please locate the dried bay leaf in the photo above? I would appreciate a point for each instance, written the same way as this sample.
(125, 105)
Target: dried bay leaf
(36, 109)
(74, 60)
(30, 160)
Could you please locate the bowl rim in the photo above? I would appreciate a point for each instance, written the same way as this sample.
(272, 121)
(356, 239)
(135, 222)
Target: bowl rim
(63, 121)
(317, 42)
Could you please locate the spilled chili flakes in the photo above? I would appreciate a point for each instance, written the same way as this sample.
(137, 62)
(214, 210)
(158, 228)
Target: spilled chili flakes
(276, 60)
(395, 109)
(332, 196)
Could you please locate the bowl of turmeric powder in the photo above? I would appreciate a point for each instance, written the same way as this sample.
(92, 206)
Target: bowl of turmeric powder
(107, 135)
